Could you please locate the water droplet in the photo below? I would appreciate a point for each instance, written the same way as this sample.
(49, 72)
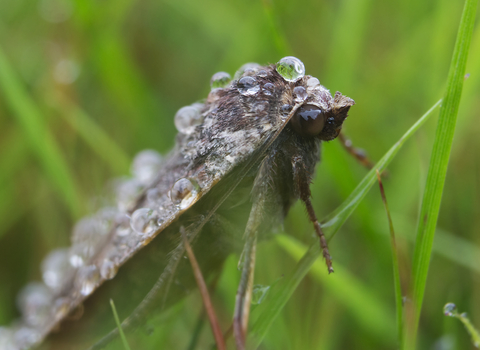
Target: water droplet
(187, 119)
(56, 269)
(123, 228)
(145, 165)
(248, 86)
(144, 221)
(299, 94)
(88, 235)
(76, 260)
(61, 308)
(247, 69)
(220, 80)
(127, 192)
(214, 96)
(450, 309)
(259, 293)
(268, 89)
(184, 192)
(25, 337)
(291, 68)
(7, 341)
(108, 269)
(312, 83)
(262, 73)
(88, 278)
(107, 215)
(35, 301)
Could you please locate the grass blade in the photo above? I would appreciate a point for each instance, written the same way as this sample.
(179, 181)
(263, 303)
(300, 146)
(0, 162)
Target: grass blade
(396, 267)
(119, 326)
(42, 143)
(438, 169)
(99, 141)
(335, 220)
(264, 315)
(450, 310)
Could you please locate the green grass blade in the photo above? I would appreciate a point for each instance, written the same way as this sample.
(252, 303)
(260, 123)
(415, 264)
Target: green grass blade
(264, 315)
(396, 267)
(42, 143)
(335, 220)
(447, 245)
(438, 167)
(281, 43)
(95, 137)
(119, 326)
(450, 310)
(371, 313)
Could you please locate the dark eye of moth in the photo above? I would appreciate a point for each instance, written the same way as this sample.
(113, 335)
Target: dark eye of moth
(308, 120)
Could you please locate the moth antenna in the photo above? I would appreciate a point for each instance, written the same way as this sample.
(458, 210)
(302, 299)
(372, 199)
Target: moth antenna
(301, 179)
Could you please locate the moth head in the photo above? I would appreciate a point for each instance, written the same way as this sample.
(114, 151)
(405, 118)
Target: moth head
(321, 115)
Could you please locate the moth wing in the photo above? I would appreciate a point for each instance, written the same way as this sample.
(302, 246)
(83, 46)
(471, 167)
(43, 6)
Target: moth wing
(235, 133)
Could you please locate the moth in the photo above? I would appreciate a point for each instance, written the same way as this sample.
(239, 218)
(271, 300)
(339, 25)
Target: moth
(242, 157)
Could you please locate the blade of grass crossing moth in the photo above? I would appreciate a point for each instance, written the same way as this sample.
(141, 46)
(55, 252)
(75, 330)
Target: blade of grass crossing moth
(333, 221)
(202, 286)
(266, 313)
(396, 266)
(163, 283)
(437, 170)
(161, 286)
(119, 326)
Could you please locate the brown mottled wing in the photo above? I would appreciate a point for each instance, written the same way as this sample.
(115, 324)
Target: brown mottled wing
(237, 128)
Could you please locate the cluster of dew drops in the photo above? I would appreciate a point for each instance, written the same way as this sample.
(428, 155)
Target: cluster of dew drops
(41, 301)
(246, 82)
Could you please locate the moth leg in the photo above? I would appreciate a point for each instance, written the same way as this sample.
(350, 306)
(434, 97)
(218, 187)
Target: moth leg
(302, 180)
(244, 292)
(201, 318)
(358, 153)
(202, 286)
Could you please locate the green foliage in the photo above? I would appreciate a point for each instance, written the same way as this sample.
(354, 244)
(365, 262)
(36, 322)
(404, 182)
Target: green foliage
(83, 80)
(120, 331)
(437, 170)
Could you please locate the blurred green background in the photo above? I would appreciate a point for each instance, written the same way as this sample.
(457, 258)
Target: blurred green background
(87, 84)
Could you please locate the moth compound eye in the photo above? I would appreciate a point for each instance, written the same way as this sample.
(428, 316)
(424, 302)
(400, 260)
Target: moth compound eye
(308, 120)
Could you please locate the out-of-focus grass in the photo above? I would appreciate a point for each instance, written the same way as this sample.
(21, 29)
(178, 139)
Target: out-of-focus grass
(120, 331)
(133, 64)
(437, 171)
(364, 304)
